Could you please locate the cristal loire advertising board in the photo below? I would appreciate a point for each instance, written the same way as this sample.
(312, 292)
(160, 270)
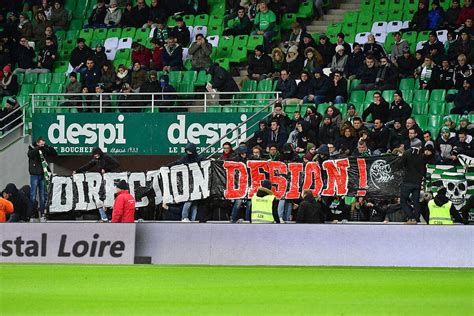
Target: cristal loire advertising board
(140, 133)
(67, 243)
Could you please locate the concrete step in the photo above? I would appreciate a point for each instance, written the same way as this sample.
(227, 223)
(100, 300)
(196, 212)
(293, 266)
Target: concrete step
(349, 6)
(336, 12)
(318, 29)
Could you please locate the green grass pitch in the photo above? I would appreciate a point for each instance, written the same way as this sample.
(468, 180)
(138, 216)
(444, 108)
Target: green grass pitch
(202, 290)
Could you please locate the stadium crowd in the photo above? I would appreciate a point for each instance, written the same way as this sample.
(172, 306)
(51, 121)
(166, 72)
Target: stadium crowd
(306, 72)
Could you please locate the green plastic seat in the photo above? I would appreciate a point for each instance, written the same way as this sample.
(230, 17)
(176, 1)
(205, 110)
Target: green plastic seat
(213, 109)
(342, 107)
(45, 78)
(214, 30)
(123, 53)
(241, 41)
(395, 15)
(224, 63)
(61, 35)
(435, 121)
(305, 10)
(201, 20)
(41, 88)
(189, 76)
(437, 107)
(254, 41)
(20, 77)
(287, 21)
(202, 78)
(70, 5)
(75, 24)
(410, 36)
(407, 84)
(353, 83)
(238, 54)
(224, 52)
(216, 20)
(438, 95)
(333, 29)
(381, 4)
(30, 78)
(421, 120)
(395, 6)
(366, 5)
(351, 17)
(175, 77)
(226, 41)
(142, 34)
(58, 78)
(420, 107)
(87, 34)
(128, 32)
(56, 88)
(423, 36)
(421, 95)
(357, 97)
(100, 34)
(388, 95)
(189, 20)
(60, 66)
(114, 32)
(407, 95)
(117, 62)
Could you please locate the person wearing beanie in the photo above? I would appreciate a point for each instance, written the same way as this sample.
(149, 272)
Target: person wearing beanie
(310, 152)
(124, 205)
(260, 65)
(399, 109)
(264, 209)
(9, 83)
(21, 203)
(444, 145)
(339, 60)
(294, 62)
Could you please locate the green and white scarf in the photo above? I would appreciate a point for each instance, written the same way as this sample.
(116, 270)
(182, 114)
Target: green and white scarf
(47, 175)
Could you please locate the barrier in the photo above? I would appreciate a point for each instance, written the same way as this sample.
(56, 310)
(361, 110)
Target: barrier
(306, 245)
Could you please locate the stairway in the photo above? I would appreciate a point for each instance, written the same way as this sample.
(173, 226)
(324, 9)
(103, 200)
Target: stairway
(333, 15)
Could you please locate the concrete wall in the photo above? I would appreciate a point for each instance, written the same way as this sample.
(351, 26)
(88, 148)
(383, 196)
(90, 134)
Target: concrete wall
(14, 164)
(306, 245)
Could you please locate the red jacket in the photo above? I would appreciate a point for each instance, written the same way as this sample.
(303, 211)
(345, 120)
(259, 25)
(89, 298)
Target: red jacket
(143, 56)
(124, 208)
(464, 14)
(157, 61)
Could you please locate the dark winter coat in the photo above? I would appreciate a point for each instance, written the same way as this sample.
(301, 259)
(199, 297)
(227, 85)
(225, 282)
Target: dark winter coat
(260, 66)
(79, 56)
(309, 212)
(105, 162)
(328, 134)
(20, 201)
(380, 111)
(413, 162)
(34, 160)
(173, 57)
(304, 89)
(368, 75)
(400, 111)
(287, 88)
(222, 80)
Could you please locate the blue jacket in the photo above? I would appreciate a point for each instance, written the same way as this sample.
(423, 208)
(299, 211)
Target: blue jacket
(287, 88)
(435, 17)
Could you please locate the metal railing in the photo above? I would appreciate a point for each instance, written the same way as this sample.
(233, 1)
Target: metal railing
(10, 123)
(152, 102)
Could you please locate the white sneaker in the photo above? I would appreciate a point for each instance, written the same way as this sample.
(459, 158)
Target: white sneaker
(186, 220)
(43, 219)
(282, 221)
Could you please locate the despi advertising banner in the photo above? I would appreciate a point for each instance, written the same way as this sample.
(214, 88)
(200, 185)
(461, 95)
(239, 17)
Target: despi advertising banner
(375, 177)
(141, 133)
(67, 243)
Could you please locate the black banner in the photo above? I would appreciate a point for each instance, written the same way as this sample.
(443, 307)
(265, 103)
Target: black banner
(374, 177)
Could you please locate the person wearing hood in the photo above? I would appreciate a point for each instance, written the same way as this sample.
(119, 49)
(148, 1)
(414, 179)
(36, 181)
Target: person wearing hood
(124, 205)
(309, 210)
(8, 83)
(326, 49)
(313, 117)
(442, 210)
(20, 202)
(419, 21)
(310, 154)
(464, 45)
(336, 209)
(463, 99)
(259, 65)
(305, 135)
(328, 131)
(294, 62)
(165, 87)
(264, 205)
(339, 60)
(172, 55)
(435, 17)
(6, 208)
(100, 162)
(278, 60)
(200, 52)
(397, 139)
(304, 90)
(221, 79)
(113, 15)
(321, 85)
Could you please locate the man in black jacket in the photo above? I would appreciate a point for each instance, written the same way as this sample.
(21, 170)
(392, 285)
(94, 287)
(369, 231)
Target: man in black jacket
(20, 202)
(24, 56)
(378, 108)
(38, 155)
(413, 162)
(259, 65)
(100, 162)
(46, 57)
(368, 75)
(380, 136)
(79, 56)
(309, 211)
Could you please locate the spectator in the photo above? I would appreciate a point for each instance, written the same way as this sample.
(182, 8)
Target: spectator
(463, 99)
(464, 145)
(24, 56)
(305, 136)
(59, 16)
(158, 11)
(310, 153)
(294, 62)
(276, 135)
(313, 59)
(464, 126)
(8, 83)
(11, 115)
(432, 44)
(49, 32)
(435, 17)
(264, 24)
(399, 109)
(38, 155)
(309, 211)
(123, 76)
(25, 28)
(355, 62)
(278, 61)
(99, 55)
(373, 48)
(240, 25)
(346, 143)
(181, 32)
(386, 76)
(419, 21)
(399, 46)
(411, 124)
(91, 76)
(426, 73)
(304, 90)
(326, 49)
(406, 64)
(339, 60)
(259, 65)
(6, 207)
(127, 16)
(340, 41)
(468, 26)
(461, 72)
(165, 87)
(79, 56)
(362, 150)
(100, 162)
(368, 75)
(379, 109)
(335, 115)
(41, 22)
(20, 203)
(452, 14)
(200, 52)
(152, 85)
(313, 118)
(157, 55)
(222, 80)
(467, 11)
(445, 76)
(161, 33)
(124, 204)
(141, 55)
(128, 100)
(338, 89)
(73, 86)
(296, 36)
(279, 115)
(97, 17)
(113, 15)
(380, 136)
(257, 153)
(46, 58)
(139, 77)
(321, 85)
(307, 41)
(397, 139)
(172, 55)
(464, 45)
(336, 209)
(328, 131)
(287, 86)
(359, 126)
(227, 151)
(107, 76)
(140, 14)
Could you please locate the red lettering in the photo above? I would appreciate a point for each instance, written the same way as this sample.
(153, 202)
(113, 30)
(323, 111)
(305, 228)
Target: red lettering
(337, 177)
(295, 171)
(232, 169)
(313, 171)
(362, 177)
(256, 176)
(278, 180)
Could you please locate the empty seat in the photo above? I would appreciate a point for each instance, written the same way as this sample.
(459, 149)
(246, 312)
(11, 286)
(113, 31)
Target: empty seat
(110, 53)
(442, 36)
(213, 40)
(380, 37)
(111, 43)
(125, 43)
(361, 38)
(379, 27)
(394, 26)
(419, 45)
(199, 30)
